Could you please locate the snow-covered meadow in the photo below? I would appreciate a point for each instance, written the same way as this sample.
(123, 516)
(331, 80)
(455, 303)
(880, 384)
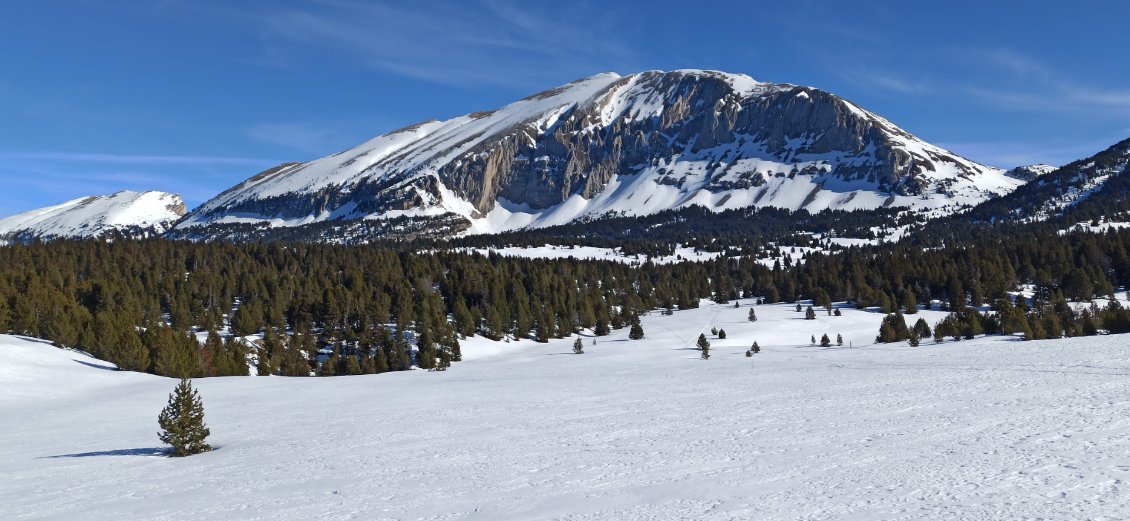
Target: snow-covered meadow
(991, 428)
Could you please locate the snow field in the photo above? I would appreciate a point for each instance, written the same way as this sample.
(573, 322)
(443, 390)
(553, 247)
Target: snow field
(986, 429)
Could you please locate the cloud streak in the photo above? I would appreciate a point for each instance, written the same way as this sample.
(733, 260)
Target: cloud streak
(1039, 88)
(36, 179)
(103, 158)
(491, 43)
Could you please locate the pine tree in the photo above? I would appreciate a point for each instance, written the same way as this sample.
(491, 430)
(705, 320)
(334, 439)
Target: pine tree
(810, 314)
(182, 422)
(721, 334)
(825, 341)
(637, 332)
(714, 331)
(813, 340)
(578, 346)
(748, 353)
(922, 329)
(755, 348)
(702, 343)
(839, 340)
(913, 339)
(752, 315)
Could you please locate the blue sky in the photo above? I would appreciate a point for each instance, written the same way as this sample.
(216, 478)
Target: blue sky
(195, 96)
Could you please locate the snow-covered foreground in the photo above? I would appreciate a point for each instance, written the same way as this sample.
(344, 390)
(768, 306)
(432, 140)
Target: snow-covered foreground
(983, 429)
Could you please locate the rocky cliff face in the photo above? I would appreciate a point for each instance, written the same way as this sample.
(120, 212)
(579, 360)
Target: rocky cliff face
(609, 144)
(129, 214)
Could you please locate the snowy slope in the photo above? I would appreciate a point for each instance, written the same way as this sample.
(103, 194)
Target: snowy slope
(634, 145)
(137, 214)
(978, 430)
(1091, 188)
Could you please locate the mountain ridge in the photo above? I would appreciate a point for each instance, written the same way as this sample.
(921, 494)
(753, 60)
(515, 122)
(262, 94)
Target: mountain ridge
(605, 145)
(126, 213)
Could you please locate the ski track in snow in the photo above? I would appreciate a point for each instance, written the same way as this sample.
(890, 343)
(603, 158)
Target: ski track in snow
(986, 429)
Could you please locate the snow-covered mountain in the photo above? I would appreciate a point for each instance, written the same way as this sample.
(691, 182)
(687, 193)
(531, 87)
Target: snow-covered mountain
(633, 144)
(1029, 172)
(132, 214)
(1095, 187)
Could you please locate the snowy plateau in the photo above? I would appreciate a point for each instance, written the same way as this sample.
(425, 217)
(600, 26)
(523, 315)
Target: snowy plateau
(989, 429)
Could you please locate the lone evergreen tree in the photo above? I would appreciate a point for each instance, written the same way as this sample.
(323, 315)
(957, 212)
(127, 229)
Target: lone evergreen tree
(721, 334)
(813, 340)
(714, 331)
(752, 315)
(839, 340)
(810, 314)
(825, 341)
(748, 353)
(637, 332)
(755, 348)
(703, 344)
(578, 346)
(182, 422)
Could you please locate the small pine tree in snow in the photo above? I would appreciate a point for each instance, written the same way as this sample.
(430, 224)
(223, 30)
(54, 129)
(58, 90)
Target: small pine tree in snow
(752, 315)
(755, 348)
(703, 344)
(182, 422)
(914, 339)
(813, 340)
(637, 332)
(839, 339)
(837, 312)
(798, 307)
(721, 334)
(578, 346)
(825, 341)
(810, 314)
(714, 331)
(748, 353)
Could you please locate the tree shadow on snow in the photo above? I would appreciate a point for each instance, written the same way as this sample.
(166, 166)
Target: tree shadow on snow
(97, 366)
(147, 451)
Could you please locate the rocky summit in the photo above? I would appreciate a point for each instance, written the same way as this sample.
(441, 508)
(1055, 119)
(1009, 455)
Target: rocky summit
(608, 144)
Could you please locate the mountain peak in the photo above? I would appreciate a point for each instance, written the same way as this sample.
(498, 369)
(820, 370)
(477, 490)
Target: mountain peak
(611, 144)
(134, 214)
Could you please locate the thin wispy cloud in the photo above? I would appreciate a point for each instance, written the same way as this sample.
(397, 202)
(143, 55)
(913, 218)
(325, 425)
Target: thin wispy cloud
(886, 81)
(132, 159)
(35, 179)
(298, 136)
(493, 43)
(1032, 85)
